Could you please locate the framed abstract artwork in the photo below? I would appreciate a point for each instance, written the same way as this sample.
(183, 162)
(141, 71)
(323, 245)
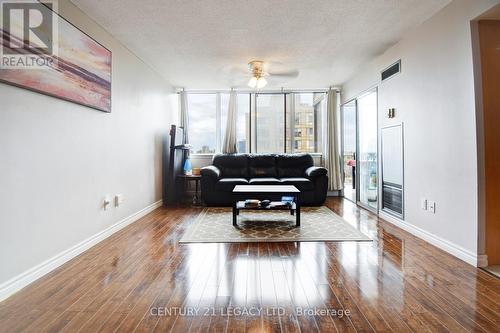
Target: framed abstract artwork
(75, 67)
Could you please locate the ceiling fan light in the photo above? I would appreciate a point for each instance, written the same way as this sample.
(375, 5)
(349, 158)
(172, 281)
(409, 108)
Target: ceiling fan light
(261, 83)
(253, 82)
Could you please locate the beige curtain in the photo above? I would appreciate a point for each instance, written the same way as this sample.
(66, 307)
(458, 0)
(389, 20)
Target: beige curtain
(229, 144)
(183, 117)
(332, 158)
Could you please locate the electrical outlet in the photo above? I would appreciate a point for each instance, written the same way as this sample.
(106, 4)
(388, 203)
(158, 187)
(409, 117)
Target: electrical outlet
(423, 204)
(432, 207)
(105, 203)
(118, 200)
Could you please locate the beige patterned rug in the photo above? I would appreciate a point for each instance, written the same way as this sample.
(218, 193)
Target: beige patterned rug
(317, 224)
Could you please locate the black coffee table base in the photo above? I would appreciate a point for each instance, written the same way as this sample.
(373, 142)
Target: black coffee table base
(242, 192)
(240, 205)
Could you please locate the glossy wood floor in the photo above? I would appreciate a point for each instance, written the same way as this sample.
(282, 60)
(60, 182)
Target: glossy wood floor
(132, 280)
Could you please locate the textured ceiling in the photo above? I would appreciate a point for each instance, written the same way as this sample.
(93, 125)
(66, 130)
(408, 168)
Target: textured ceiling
(197, 43)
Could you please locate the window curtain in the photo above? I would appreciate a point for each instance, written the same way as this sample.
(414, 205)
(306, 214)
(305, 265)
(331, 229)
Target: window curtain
(183, 117)
(332, 158)
(229, 145)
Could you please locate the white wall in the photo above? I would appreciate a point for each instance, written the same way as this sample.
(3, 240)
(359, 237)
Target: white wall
(434, 97)
(59, 159)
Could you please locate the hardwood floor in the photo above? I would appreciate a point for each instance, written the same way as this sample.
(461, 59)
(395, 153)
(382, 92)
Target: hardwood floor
(130, 281)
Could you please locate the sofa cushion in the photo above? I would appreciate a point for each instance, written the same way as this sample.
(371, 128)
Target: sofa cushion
(262, 166)
(264, 181)
(293, 165)
(302, 184)
(228, 184)
(232, 166)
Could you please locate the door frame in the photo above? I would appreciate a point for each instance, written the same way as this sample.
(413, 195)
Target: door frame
(342, 130)
(355, 99)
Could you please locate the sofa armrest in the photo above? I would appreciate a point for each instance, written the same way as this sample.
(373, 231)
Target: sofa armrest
(210, 171)
(313, 172)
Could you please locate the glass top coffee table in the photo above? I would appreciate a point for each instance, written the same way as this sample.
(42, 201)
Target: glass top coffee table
(243, 192)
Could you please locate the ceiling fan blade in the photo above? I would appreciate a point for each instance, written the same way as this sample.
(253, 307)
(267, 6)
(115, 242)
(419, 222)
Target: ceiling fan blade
(289, 74)
(234, 71)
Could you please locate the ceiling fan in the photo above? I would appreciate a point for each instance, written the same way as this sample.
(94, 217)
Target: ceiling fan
(260, 70)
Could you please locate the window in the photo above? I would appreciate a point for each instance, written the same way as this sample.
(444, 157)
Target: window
(243, 124)
(266, 122)
(202, 123)
(320, 122)
(308, 109)
(269, 123)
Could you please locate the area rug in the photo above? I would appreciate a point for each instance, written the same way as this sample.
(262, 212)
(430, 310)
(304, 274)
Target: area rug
(317, 224)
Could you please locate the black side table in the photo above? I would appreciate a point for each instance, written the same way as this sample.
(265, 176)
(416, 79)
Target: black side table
(196, 178)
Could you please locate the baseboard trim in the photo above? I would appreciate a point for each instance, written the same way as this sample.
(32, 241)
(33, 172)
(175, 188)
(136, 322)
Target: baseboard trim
(441, 243)
(482, 260)
(17, 283)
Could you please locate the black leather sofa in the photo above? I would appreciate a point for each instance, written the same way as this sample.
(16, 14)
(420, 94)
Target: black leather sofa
(227, 171)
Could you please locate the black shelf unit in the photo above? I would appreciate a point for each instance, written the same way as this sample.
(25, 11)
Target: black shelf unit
(175, 157)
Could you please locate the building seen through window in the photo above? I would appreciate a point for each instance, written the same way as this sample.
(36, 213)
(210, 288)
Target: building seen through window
(266, 122)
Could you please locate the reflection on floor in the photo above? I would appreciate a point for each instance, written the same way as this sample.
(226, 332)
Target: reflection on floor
(141, 279)
(494, 269)
(373, 204)
(349, 192)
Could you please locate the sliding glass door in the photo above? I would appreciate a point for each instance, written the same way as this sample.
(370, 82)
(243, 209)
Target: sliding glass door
(359, 150)
(349, 149)
(367, 150)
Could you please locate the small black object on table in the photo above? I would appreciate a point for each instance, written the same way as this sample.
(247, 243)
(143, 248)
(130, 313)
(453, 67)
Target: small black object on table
(244, 191)
(196, 179)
